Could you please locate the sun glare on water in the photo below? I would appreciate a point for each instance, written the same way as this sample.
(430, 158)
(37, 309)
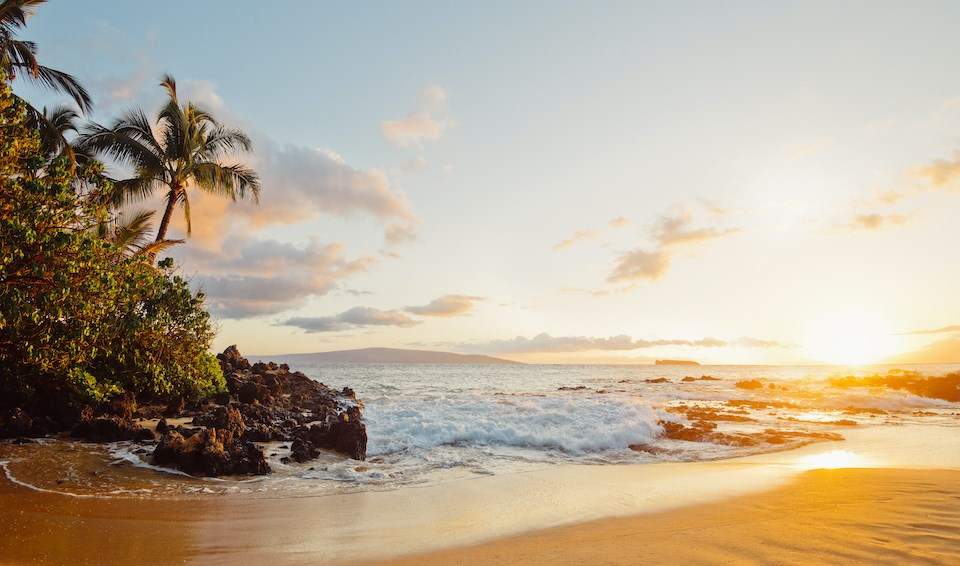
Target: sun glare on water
(848, 337)
(832, 459)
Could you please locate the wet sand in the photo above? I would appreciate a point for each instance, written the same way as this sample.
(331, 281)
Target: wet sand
(824, 516)
(903, 506)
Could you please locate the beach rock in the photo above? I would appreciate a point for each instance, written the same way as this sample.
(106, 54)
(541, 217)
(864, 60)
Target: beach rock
(252, 392)
(659, 380)
(162, 426)
(302, 450)
(258, 433)
(749, 384)
(352, 440)
(266, 402)
(16, 423)
(110, 429)
(175, 407)
(231, 360)
(210, 452)
(121, 406)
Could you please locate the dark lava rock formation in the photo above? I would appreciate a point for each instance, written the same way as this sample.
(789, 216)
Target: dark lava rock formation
(263, 402)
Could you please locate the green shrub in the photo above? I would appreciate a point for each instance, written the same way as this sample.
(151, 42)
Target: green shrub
(78, 319)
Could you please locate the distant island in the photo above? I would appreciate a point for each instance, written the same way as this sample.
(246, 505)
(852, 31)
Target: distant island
(676, 363)
(387, 356)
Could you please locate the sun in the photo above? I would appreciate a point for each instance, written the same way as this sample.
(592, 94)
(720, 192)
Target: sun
(848, 337)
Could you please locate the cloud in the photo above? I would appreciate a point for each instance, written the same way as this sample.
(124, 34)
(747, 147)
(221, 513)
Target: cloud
(301, 183)
(429, 122)
(944, 330)
(673, 227)
(620, 222)
(579, 236)
(261, 277)
(671, 230)
(876, 221)
(545, 343)
(447, 305)
(941, 174)
(397, 233)
(640, 264)
(411, 129)
(414, 164)
(349, 319)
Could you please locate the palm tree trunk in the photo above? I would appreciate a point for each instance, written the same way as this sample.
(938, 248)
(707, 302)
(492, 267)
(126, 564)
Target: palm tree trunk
(167, 214)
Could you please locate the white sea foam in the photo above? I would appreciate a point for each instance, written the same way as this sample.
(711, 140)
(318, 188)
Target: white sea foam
(886, 400)
(123, 452)
(574, 424)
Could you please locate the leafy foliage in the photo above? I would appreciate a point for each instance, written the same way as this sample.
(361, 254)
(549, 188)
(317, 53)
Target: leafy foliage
(79, 318)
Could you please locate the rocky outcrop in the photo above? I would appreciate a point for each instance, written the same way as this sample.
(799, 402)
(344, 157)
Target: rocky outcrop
(946, 387)
(211, 452)
(264, 402)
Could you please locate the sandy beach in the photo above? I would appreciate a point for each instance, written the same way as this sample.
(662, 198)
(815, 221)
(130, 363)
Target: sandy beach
(898, 504)
(827, 516)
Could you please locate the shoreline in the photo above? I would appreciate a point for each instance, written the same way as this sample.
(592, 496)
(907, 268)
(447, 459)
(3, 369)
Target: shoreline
(826, 516)
(374, 525)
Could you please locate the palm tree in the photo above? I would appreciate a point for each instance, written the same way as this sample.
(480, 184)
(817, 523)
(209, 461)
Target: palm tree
(131, 235)
(182, 150)
(18, 58)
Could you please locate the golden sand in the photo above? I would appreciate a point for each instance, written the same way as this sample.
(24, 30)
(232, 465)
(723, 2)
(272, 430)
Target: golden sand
(825, 516)
(839, 516)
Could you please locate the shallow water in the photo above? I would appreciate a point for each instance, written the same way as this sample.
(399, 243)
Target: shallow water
(429, 424)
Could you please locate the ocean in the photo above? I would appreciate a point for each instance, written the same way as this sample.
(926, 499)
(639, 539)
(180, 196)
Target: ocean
(430, 424)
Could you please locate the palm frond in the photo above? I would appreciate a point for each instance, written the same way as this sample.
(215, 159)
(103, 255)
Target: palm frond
(185, 204)
(223, 141)
(53, 125)
(152, 249)
(124, 145)
(228, 180)
(134, 230)
(170, 85)
(17, 56)
(13, 13)
(59, 81)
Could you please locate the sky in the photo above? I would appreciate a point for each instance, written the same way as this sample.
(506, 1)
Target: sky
(561, 182)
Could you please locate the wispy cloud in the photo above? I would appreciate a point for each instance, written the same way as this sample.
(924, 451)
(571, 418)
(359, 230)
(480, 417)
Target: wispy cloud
(941, 174)
(640, 264)
(427, 123)
(545, 343)
(578, 236)
(447, 306)
(673, 229)
(262, 277)
(353, 318)
(944, 330)
(620, 222)
(876, 221)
